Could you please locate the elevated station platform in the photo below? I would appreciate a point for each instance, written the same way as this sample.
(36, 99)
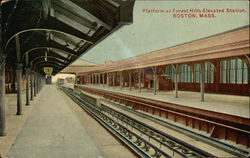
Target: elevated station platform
(227, 104)
(54, 126)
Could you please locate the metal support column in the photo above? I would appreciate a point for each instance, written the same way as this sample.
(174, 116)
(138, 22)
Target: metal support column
(139, 79)
(95, 79)
(155, 77)
(31, 86)
(113, 80)
(2, 99)
(99, 79)
(121, 80)
(35, 84)
(176, 70)
(248, 69)
(108, 77)
(130, 84)
(27, 73)
(103, 82)
(91, 76)
(202, 80)
(19, 68)
(38, 84)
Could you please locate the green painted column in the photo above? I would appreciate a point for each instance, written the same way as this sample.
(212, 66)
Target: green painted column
(27, 74)
(121, 79)
(2, 99)
(99, 79)
(130, 84)
(34, 79)
(155, 77)
(176, 69)
(202, 80)
(19, 68)
(31, 85)
(139, 79)
(103, 82)
(113, 80)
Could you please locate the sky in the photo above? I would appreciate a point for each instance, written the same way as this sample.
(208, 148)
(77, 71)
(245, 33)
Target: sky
(154, 31)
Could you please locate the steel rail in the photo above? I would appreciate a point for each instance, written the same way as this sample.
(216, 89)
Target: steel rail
(107, 94)
(117, 128)
(179, 147)
(161, 137)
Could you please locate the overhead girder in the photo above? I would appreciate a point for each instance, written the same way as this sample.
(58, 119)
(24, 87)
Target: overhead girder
(38, 29)
(56, 68)
(74, 20)
(53, 24)
(34, 50)
(68, 5)
(49, 58)
(42, 63)
(27, 48)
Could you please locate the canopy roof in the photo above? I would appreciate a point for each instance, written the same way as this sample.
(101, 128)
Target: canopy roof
(77, 67)
(54, 33)
(234, 43)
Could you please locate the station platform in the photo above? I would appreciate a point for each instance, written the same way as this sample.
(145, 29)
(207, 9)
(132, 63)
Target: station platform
(227, 104)
(54, 126)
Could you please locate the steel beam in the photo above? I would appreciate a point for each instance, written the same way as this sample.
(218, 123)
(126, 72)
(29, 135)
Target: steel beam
(68, 5)
(46, 30)
(34, 50)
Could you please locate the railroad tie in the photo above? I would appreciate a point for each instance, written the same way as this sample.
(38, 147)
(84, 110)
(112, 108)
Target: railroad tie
(156, 154)
(145, 147)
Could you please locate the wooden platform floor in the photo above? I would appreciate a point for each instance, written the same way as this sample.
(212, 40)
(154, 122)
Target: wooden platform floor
(56, 127)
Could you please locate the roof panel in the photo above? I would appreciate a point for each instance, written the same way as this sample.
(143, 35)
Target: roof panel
(67, 28)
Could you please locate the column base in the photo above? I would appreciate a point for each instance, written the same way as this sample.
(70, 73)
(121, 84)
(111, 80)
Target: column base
(3, 134)
(18, 113)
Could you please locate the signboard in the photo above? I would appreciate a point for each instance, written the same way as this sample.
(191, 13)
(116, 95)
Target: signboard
(48, 70)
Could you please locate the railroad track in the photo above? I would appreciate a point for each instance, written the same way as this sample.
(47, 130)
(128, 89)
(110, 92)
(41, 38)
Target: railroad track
(144, 139)
(215, 124)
